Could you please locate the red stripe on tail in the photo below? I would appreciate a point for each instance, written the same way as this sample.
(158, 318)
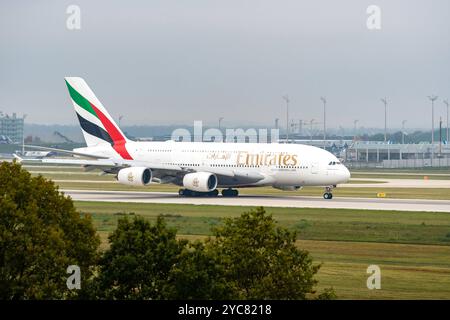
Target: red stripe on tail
(116, 136)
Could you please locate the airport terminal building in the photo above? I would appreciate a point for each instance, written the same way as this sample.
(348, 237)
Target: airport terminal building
(378, 154)
(11, 128)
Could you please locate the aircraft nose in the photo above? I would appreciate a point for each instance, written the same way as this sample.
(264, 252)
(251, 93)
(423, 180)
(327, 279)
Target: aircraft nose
(345, 174)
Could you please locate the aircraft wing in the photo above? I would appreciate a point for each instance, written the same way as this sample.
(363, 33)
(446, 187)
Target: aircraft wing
(161, 171)
(103, 163)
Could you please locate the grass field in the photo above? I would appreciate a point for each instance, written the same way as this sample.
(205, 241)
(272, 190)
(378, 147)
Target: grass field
(403, 274)
(310, 223)
(411, 248)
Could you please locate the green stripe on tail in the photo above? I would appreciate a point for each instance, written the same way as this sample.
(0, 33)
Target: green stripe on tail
(80, 100)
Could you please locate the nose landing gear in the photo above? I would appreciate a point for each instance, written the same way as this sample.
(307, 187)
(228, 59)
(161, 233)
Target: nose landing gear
(328, 195)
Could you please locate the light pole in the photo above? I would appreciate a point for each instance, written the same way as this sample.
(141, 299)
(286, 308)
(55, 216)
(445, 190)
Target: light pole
(311, 128)
(432, 99)
(286, 98)
(120, 119)
(220, 122)
(403, 131)
(324, 100)
(355, 122)
(23, 135)
(446, 103)
(384, 100)
(440, 136)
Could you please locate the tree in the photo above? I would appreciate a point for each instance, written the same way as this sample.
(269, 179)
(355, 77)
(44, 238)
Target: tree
(249, 258)
(198, 275)
(138, 262)
(261, 259)
(41, 234)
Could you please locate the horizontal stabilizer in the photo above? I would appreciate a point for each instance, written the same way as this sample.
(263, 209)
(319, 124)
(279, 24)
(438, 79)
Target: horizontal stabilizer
(81, 154)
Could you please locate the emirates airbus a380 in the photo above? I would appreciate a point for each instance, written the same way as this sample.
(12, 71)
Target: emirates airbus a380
(198, 167)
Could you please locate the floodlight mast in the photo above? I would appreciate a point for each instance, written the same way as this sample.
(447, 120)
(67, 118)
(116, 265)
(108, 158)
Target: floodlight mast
(23, 135)
(384, 100)
(355, 122)
(286, 98)
(403, 131)
(446, 103)
(324, 100)
(432, 99)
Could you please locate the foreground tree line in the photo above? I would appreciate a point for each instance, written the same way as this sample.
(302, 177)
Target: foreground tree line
(41, 234)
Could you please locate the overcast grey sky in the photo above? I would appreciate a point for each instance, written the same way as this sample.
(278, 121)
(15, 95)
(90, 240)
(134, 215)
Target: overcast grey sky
(167, 62)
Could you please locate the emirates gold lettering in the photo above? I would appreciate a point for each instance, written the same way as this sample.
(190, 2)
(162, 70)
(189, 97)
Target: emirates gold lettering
(268, 159)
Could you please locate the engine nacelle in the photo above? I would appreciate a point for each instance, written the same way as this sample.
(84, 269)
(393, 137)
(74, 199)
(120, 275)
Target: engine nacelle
(200, 181)
(135, 176)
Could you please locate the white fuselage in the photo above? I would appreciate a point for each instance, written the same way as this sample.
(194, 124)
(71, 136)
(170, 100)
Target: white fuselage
(242, 164)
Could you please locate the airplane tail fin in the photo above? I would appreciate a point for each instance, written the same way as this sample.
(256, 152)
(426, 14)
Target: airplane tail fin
(97, 125)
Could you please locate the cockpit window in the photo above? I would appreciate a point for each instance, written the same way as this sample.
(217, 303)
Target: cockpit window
(333, 163)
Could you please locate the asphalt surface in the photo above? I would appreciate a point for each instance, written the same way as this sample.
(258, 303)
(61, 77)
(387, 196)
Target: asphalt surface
(263, 200)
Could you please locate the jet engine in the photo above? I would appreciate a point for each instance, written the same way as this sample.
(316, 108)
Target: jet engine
(200, 181)
(135, 176)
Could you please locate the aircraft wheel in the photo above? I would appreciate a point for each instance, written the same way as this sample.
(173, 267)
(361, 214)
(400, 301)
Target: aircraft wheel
(230, 192)
(328, 195)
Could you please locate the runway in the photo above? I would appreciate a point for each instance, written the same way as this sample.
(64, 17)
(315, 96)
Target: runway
(396, 183)
(262, 200)
(377, 183)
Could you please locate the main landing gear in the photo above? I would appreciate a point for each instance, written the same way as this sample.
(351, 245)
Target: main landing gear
(230, 193)
(190, 193)
(214, 193)
(328, 195)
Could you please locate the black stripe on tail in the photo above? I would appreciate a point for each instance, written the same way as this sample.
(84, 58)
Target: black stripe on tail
(94, 130)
